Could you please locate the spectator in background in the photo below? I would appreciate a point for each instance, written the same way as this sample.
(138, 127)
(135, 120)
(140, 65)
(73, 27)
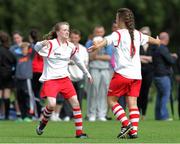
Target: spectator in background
(23, 77)
(178, 81)
(16, 50)
(37, 67)
(99, 67)
(7, 63)
(163, 61)
(76, 74)
(147, 73)
(17, 39)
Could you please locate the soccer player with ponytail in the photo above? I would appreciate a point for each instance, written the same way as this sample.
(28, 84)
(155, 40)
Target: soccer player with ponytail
(126, 80)
(57, 51)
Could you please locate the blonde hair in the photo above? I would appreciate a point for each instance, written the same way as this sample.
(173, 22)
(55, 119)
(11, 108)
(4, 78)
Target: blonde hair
(25, 45)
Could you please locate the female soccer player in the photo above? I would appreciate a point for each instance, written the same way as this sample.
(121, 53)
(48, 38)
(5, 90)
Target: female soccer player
(57, 51)
(126, 80)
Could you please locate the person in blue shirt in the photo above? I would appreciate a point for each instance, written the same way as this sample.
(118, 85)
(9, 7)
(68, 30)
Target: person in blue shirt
(100, 69)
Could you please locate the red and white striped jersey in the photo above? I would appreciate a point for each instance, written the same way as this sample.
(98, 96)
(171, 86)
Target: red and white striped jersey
(56, 58)
(127, 66)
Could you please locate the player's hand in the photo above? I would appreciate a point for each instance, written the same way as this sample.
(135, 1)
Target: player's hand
(45, 43)
(177, 78)
(92, 48)
(158, 41)
(90, 79)
(174, 55)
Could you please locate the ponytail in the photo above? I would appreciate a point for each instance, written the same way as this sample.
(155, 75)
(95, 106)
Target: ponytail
(51, 35)
(128, 17)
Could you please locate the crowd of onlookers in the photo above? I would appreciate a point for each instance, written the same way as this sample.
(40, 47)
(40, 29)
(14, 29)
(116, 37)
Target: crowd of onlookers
(21, 67)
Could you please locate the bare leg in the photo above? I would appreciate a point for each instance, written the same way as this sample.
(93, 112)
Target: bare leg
(55, 114)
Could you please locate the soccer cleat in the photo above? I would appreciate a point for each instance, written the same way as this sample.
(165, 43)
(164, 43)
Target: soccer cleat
(124, 131)
(39, 129)
(132, 136)
(82, 136)
(124, 137)
(129, 136)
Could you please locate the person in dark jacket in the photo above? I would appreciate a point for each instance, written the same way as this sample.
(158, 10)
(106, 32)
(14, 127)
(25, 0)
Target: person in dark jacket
(163, 61)
(147, 73)
(178, 80)
(7, 63)
(37, 67)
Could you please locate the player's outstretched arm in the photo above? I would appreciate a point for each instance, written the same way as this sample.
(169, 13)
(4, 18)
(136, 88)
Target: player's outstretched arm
(43, 48)
(97, 45)
(154, 41)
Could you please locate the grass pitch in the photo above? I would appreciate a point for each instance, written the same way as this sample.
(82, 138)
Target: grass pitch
(150, 131)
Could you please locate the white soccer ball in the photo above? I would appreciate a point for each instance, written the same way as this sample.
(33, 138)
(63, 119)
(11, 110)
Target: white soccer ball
(97, 39)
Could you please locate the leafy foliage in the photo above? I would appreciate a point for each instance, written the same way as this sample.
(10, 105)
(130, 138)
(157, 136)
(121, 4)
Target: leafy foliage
(22, 15)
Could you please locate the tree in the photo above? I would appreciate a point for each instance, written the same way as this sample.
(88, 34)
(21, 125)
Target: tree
(160, 15)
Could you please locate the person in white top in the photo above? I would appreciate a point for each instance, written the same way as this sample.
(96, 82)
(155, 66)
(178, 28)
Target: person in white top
(76, 74)
(126, 80)
(57, 52)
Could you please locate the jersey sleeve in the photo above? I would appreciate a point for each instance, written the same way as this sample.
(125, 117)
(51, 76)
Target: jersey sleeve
(79, 62)
(85, 56)
(112, 39)
(143, 38)
(43, 51)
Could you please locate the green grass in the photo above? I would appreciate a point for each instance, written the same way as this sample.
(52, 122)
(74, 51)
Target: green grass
(150, 131)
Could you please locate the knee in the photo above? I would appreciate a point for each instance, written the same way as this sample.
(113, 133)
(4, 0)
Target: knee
(132, 104)
(52, 105)
(75, 104)
(111, 101)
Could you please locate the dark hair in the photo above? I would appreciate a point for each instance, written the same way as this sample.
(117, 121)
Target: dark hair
(127, 16)
(75, 31)
(52, 34)
(34, 34)
(4, 39)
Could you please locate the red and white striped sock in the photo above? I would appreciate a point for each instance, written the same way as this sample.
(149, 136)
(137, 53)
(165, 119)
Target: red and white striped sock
(78, 120)
(120, 114)
(46, 115)
(134, 119)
